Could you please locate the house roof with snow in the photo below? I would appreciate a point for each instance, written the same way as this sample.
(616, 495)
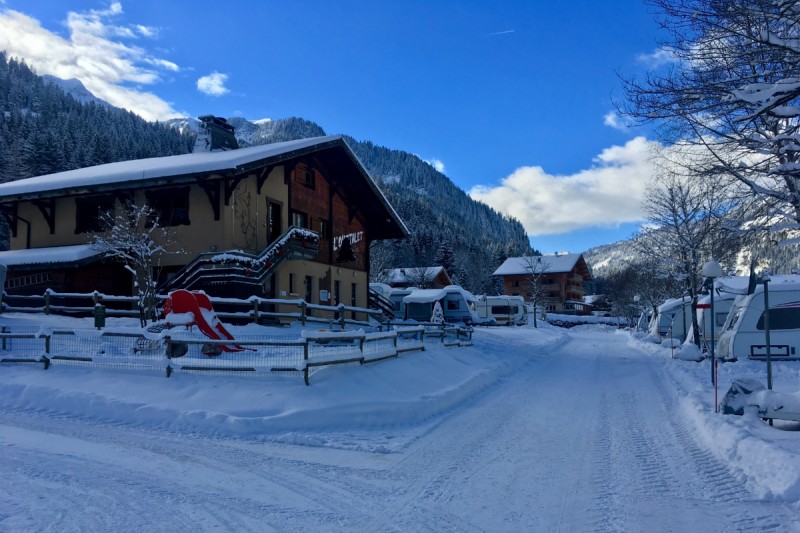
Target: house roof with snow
(188, 168)
(78, 254)
(544, 264)
(402, 276)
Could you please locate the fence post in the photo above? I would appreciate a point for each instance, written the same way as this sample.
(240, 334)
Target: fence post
(422, 338)
(255, 311)
(303, 312)
(168, 344)
(5, 330)
(305, 361)
(47, 302)
(341, 316)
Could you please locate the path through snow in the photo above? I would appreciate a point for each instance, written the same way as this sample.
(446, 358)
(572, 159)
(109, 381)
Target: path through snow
(585, 436)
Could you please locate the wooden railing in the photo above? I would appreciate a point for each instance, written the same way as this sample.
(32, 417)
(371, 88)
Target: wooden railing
(254, 309)
(301, 355)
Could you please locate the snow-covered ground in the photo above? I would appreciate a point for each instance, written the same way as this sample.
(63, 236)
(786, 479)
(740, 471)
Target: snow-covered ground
(547, 429)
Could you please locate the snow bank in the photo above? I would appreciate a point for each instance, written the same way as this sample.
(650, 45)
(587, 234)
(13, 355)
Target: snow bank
(767, 458)
(342, 400)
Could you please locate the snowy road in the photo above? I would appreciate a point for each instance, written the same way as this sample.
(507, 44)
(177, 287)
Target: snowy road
(585, 437)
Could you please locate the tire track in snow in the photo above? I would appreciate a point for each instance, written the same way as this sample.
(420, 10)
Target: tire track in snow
(718, 483)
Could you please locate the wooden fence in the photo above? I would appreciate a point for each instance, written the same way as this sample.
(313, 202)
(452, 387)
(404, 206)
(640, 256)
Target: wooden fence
(276, 355)
(254, 309)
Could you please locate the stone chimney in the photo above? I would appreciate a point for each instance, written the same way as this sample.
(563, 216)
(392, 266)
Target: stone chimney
(215, 135)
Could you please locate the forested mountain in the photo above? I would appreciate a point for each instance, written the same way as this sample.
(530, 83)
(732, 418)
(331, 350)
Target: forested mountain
(610, 260)
(45, 130)
(441, 217)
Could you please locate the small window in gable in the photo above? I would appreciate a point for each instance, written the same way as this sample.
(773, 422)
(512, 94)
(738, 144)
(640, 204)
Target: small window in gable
(88, 213)
(304, 175)
(170, 207)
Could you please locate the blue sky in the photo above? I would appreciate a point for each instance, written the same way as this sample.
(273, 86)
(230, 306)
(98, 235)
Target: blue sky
(512, 99)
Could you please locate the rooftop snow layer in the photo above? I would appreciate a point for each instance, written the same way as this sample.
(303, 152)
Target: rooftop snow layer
(154, 167)
(54, 254)
(549, 264)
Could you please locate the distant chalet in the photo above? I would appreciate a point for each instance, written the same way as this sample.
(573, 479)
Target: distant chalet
(292, 219)
(560, 281)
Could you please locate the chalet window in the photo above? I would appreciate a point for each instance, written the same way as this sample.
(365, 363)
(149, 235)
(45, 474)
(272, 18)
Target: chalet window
(337, 292)
(170, 207)
(304, 176)
(324, 229)
(88, 213)
(299, 219)
(291, 284)
(515, 283)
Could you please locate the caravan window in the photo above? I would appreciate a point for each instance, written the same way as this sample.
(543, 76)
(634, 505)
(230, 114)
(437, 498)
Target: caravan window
(452, 305)
(501, 310)
(786, 318)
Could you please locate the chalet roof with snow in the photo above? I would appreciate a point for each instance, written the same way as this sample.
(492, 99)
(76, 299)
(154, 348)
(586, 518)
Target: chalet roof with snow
(189, 168)
(550, 264)
(398, 276)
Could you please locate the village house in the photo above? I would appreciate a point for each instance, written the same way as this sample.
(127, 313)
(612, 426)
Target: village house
(556, 279)
(285, 220)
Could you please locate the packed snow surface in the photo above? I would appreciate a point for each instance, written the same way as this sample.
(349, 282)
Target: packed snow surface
(546, 429)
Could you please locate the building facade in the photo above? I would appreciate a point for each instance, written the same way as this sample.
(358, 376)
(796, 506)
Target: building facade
(555, 282)
(286, 220)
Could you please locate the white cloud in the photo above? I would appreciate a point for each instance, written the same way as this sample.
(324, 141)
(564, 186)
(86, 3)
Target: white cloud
(613, 120)
(606, 195)
(658, 58)
(95, 54)
(213, 84)
(437, 164)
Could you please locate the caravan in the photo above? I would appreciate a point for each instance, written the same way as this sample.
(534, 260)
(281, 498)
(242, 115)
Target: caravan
(725, 292)
(673, 320)
(504, 310)
(744, 332)
(458, 305)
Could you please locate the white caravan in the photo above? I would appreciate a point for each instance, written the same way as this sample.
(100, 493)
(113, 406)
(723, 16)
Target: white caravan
(673, 320)
(744, 332)
(505, 310)
(726, 291)
(458, 305)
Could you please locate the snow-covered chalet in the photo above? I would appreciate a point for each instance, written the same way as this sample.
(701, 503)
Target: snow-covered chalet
(285, 220)
(557, 278)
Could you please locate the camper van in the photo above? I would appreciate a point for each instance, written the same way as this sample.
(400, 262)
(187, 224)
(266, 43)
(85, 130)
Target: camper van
(643, 323)
(673, 320)
(458, 305)
(723, 301)
(505, 310)
(744, 332)
(396, 296)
